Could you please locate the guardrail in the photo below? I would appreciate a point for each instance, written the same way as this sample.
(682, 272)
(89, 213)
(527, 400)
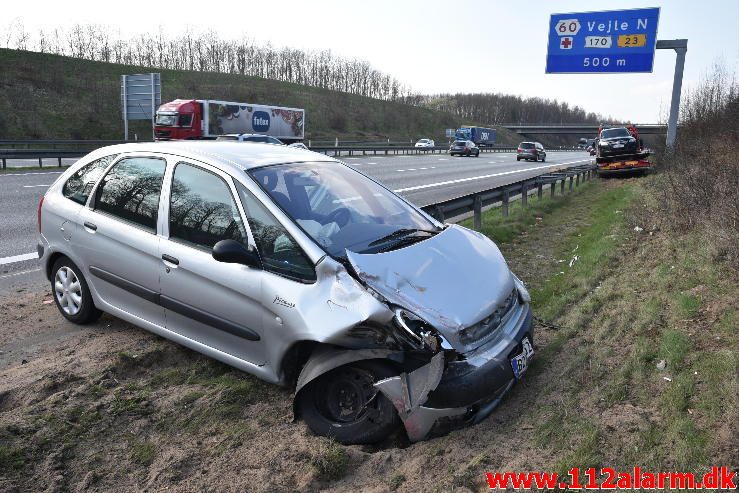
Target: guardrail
(475, 202)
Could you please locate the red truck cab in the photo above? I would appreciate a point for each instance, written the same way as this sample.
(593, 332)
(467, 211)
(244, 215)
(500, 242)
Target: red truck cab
(179, 120)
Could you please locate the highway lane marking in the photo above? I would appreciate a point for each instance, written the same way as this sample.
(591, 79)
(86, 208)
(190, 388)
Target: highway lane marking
(19, 273)
(18, 258)
(36, 173)
(371, 163)
(473, 178)
(34, 186)
(492, 162)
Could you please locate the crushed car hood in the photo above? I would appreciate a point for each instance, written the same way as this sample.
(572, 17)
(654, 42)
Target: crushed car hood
(452, 280)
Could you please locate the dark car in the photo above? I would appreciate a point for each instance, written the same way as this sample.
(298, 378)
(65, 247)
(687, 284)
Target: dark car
(616, 142)
(464, 148)
(531, 151)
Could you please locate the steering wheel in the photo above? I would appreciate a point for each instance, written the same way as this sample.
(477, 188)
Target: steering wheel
(339, 216)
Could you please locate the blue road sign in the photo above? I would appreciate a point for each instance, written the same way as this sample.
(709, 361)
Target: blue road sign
(602, 42)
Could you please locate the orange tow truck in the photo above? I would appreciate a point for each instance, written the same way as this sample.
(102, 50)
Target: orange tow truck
(620, 153)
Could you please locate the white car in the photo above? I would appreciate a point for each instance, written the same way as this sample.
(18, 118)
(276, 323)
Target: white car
(425, 143)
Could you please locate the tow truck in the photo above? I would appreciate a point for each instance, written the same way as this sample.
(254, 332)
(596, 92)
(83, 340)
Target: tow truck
(632, 160)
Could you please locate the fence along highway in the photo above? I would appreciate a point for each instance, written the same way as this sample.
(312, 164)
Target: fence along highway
(422, 179)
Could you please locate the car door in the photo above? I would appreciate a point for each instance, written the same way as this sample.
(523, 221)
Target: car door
(117, 236)
(213, 303)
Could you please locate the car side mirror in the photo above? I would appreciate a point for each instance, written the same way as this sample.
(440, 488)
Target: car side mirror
(233, 252)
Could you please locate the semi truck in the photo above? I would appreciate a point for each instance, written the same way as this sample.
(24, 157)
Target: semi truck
(207, 119)
(483, 137)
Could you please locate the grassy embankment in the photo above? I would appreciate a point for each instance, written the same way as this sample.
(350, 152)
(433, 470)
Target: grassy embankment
(55, 97)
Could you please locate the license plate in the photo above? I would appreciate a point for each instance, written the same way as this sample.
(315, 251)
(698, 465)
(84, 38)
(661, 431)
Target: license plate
(520, 361)
(616, 146)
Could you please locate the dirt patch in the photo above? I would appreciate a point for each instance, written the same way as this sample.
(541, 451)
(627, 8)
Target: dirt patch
(110, 407)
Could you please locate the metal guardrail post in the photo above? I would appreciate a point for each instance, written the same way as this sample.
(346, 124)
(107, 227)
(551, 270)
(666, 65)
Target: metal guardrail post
(60, 162)
(477, 212)
(524, 195)
(539, 190)
(40, 163)
(571, 180)
(562, 186)
(553, 187)
(5, 165)
(577, 179)
(504, 203)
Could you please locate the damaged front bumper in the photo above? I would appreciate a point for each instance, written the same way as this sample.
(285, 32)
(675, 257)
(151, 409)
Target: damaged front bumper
(443, 395)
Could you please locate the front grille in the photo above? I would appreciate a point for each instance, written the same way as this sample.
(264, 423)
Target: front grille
(487, 326)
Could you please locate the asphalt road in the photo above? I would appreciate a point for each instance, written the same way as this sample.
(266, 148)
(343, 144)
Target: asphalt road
(423, 179)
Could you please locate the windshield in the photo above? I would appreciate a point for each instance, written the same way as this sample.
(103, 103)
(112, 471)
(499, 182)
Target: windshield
(526, 145)
(614, 132)
(336, 206)
(423, 141)
(165, 120)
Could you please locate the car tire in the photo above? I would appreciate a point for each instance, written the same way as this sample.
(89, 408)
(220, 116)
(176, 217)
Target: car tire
(317, 404)
(477, 154)
(71, 293)
(544, 158)
(518, 159)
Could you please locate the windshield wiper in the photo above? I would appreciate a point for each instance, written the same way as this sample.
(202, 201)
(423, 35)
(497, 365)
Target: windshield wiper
(400, 233)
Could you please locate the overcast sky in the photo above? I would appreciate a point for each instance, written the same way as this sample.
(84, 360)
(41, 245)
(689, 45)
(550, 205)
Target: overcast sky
(434, 46)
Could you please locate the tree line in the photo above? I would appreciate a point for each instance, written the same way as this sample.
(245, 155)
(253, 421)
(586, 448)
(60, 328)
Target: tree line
(208, 52)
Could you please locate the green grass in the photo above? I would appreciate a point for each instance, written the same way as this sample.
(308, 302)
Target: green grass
(330, 461)
(11, 459)
(142, 452)
(503, 229)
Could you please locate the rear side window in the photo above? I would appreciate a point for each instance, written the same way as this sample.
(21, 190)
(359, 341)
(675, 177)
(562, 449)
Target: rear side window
(131, 189)
(79, 186)
(202, 211)
(278, 250)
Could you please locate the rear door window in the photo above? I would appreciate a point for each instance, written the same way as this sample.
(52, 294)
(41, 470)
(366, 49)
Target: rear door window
(202, 210)
(79, 186)
(131, 189)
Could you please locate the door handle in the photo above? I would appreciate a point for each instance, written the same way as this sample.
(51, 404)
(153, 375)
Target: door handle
(91, 226)
(170, 259)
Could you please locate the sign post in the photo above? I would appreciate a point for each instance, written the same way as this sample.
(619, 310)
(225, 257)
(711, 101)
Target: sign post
(141, 95)
(681, 47)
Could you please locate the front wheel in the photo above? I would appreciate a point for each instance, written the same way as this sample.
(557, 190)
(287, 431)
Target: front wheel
(71, 293)
(477, 154)
(344, 404)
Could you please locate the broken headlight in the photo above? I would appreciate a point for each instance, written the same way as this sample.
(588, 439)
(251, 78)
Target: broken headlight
(417, 329)
(523, 293)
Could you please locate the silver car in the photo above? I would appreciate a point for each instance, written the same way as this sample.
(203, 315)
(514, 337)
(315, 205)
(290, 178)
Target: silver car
(296, 268)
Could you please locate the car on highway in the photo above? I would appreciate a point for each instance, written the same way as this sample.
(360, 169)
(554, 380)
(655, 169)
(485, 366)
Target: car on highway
(531, 151)
(616, 141)
(464, 148)
(296, 268)
(425, 143)
(264, 139)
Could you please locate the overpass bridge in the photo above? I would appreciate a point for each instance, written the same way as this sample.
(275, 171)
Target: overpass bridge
(577, 128)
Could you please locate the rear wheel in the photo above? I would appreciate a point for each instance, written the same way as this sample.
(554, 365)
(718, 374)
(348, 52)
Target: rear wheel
(344, 404)
(518, 159)
(71, 293)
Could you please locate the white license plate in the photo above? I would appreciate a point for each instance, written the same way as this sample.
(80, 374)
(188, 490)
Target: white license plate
(617, 146)
(520, 362)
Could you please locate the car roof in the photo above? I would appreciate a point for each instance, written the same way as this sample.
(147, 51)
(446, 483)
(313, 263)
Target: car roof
(227, 155)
